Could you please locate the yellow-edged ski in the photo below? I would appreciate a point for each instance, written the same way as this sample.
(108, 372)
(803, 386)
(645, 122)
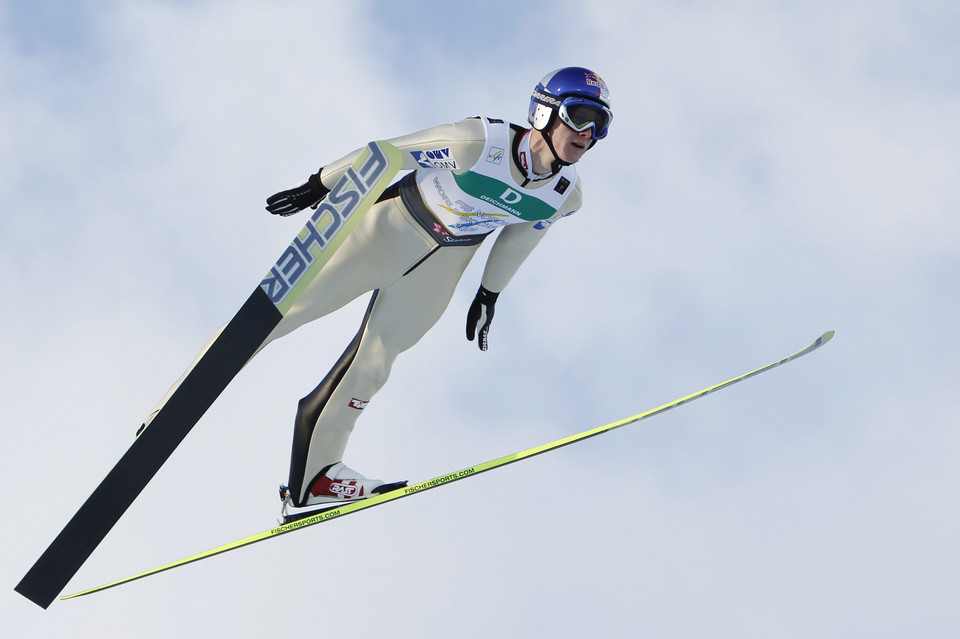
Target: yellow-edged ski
(356, 506)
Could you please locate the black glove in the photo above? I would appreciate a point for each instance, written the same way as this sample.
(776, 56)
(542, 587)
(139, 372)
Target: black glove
(296, 199)
(481, 314)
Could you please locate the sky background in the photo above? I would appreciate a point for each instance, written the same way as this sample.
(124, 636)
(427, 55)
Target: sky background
(774, 170)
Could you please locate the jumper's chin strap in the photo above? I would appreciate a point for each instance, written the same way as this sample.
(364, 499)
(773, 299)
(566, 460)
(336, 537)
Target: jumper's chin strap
(557, 163)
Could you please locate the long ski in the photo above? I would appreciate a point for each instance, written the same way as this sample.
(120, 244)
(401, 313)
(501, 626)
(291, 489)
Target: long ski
(328, 227)
(339, 511)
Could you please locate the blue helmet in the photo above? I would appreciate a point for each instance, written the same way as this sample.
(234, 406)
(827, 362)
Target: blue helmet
(578, 96)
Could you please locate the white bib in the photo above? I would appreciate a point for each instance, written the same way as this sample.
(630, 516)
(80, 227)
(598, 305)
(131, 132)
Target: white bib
(486, 196)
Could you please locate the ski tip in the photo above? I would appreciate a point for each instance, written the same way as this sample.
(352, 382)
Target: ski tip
(826, 337)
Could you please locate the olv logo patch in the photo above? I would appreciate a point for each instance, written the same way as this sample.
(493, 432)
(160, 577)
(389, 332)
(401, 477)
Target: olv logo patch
(436, 159)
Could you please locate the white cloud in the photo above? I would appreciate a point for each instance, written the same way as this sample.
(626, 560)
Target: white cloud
(773, 171)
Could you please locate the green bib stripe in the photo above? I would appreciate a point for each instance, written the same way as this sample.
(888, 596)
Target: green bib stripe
(504, 196)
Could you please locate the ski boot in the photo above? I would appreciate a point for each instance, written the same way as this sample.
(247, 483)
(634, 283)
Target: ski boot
(336, 484)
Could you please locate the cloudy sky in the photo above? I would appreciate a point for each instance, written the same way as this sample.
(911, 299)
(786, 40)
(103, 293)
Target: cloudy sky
(774, 170)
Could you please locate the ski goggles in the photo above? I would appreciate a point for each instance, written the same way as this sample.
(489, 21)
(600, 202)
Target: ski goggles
(581, 114)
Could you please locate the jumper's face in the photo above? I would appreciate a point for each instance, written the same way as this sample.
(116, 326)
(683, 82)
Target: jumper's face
(570, 144)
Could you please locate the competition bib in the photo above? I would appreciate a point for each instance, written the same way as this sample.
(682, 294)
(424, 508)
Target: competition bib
(486, 196)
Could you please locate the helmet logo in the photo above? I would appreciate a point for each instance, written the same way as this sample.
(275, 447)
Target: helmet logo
(592, 79)
(546, 98)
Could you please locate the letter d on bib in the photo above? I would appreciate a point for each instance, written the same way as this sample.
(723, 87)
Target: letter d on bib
(510, 197)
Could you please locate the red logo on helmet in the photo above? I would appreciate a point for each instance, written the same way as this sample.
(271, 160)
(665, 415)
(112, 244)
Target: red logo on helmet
(592, 79)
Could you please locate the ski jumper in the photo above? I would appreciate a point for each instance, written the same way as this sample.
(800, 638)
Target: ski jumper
(468, 179)
(411, 250)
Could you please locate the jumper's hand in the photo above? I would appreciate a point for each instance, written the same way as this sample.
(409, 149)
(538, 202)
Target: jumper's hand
(480, 316)
(307, 195)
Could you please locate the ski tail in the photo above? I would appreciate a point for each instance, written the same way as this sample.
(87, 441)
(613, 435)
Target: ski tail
(327, 514)
(124, 483)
